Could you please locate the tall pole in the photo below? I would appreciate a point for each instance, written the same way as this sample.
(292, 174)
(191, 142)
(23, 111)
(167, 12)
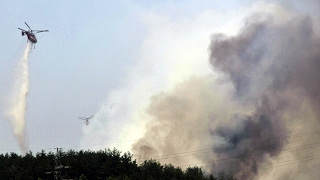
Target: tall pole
(57, 166)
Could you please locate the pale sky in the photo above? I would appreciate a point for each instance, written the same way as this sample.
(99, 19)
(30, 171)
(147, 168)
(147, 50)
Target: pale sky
(100, 52)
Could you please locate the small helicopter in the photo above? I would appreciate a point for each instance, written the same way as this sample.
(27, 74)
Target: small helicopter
(30, 34)
(86, 119)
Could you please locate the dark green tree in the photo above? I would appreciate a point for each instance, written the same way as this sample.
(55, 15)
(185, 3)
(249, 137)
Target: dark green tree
(151, 169)
(87, 164)
(194, 173)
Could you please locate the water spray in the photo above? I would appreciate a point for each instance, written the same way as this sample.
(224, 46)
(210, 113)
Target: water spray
(16, 111)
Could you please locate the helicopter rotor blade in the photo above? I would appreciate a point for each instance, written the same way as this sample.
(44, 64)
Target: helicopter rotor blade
(39, 31)
(21, 29)
(28, 26)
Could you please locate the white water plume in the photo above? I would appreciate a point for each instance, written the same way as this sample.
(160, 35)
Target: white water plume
(17, 104)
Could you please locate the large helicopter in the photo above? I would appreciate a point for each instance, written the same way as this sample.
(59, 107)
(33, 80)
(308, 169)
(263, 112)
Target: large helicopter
(30, 34)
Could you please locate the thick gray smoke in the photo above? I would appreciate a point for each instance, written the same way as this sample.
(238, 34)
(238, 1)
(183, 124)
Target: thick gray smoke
(257, 136)
(266, 62)
(17, 102)
(267, 92)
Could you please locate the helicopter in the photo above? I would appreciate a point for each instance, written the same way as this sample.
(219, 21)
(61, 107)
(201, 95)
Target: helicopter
(86, 119)
(30, 34)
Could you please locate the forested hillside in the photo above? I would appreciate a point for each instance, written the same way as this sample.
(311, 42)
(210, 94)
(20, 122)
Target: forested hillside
(91, 165)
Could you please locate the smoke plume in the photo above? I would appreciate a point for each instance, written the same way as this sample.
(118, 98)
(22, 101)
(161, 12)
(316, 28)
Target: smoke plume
(273, 63)
(17, 104)
(249, 118)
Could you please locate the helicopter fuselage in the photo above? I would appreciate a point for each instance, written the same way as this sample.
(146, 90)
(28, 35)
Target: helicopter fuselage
(30, 35)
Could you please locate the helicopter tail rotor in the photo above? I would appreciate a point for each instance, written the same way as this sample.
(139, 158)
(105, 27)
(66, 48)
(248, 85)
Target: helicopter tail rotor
(23, 32)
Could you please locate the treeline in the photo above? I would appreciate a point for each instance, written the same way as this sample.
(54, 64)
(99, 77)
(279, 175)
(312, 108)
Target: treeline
(91, 165)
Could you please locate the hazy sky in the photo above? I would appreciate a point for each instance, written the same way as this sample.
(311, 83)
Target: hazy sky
(99, 53)
(88, 53)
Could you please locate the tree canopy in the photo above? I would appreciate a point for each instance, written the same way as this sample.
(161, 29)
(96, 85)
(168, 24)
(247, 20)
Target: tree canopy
(91, 165)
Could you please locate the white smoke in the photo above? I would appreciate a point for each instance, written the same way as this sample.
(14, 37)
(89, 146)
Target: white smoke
(17, 102)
